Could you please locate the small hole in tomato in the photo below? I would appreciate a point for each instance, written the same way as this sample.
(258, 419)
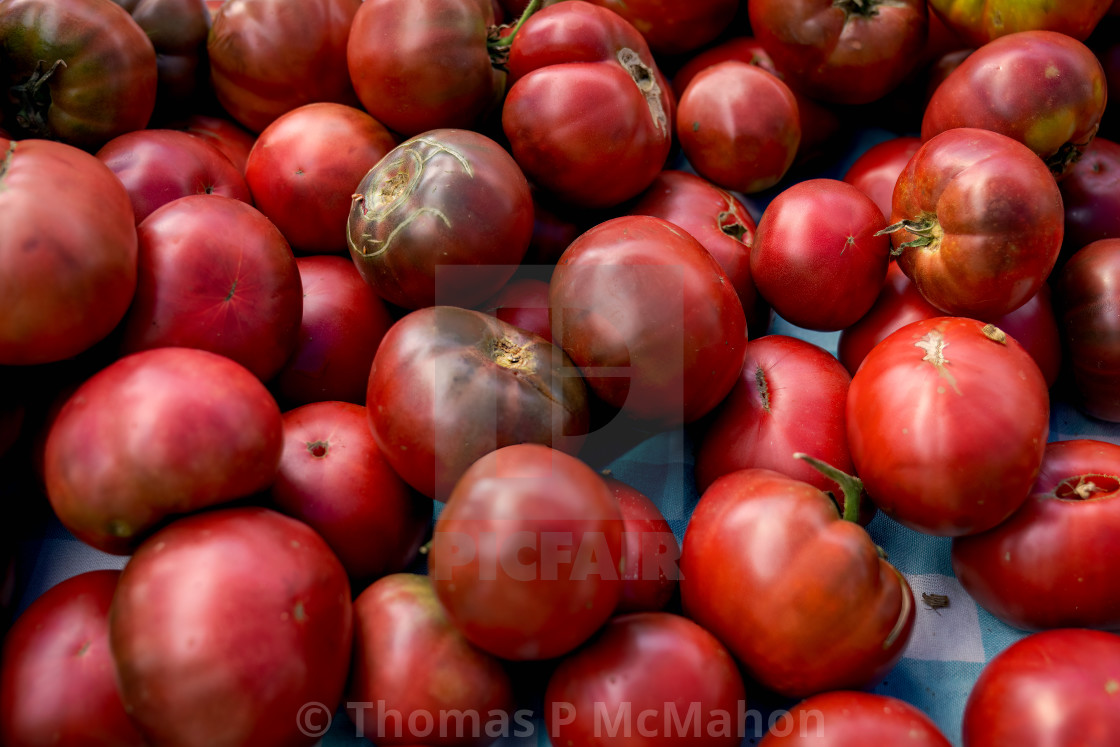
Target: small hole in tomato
(318, 449)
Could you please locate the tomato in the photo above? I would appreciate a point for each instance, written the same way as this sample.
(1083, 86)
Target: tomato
(523, 303)
(977, 222)
(225, 625)
(304, 166)
(1044, 89)
(158, 166)
(65, 283)
(1047, 565)
(525, 556)
(268, 57)
(333, 477)
(934, 377)
(1056, 688)
(1091, 195)
(650, 552)
(445, 217)
(876, 170)
(790, 398)
(588, 114)
(981, 22)
(80, 71)
(57, 680)
(675, 28)
(649, 678)
(178, 30)
(449, 385)
(850, 718)
(844, 51)
(819, 256)
(342, 325)
(799, 595)
(230, 138)
(738, 126)
(1087, 290)
(399, 628)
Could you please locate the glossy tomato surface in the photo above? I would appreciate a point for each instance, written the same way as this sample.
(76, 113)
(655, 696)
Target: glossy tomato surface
(1091, 195)
(850, 718)
(876, 170)
(981, 21)
(651, 552)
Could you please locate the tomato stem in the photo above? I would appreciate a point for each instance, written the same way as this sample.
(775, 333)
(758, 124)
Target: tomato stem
(851, 485)
(34, 97)
(498, 43)
(865, 8)
(926, 229)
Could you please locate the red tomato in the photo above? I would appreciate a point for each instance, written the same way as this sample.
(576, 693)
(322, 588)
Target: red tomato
(524, 304)
(977, 222)
(981, 22)
(444, 218)
(650, 318)
(155, 434)
(674, 27)
(57, 680)
(304, 166)
(333, 477)
(948, 375)
(1042, 88)
(772, 570)
(850, 718)
(790, 398)
(178, 30)
(588, 115)
(1048, 566)
(1056, 688)
(80, 71)
(877, 169)
(399, 626)
(229, 138)
(650, 552)
(525, 556)
(845, 51)
(158, 166)
(738, 126)
(649, 679)
(819, 257)
(342, 325)
(449, 385)
(1091, 195)
(225, 625)
(65, 283)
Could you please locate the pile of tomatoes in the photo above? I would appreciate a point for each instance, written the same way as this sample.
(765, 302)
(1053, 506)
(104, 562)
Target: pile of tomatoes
(327, 314)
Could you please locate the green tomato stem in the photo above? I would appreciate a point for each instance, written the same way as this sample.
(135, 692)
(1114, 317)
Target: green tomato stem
(851, 485)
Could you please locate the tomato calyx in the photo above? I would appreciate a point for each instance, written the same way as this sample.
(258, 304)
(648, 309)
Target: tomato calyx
(1086, 487)
(850, 485)
(499, 38)
(861, 8)
(1067, 155)
(926, 228)
(33, 98)
(8, 157)
(644, 78)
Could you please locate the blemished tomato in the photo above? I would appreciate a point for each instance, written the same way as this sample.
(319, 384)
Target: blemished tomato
(851, 718)
(525, 556)
(948, 375)
(981, 21)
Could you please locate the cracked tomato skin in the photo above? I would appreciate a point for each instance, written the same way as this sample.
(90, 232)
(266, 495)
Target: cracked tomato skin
(980, 21)
(984, 222)
(947, 423)
(1044, 89)
(589, 116)
(444, 218)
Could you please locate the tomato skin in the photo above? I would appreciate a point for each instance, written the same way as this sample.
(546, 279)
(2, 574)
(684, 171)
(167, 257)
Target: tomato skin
(877, 169)
(178, 30)
(66, 284)
(948, 375)
(107, 85)
(1048, 565)
(763, 556)
(991, 221)
(850, 718)
(523, 303)
(675, 28)
(1056, 688)
(981, 22)
(57, 680)
(156, 434)
(643, 662)
(544, 602)
(1042, 88)
(651, 552)
(230, 138)
(225, 624)
(1091, 195)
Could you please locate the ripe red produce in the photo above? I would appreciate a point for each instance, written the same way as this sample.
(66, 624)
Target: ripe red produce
(304, 167)
(977, 222)
(65, 283)
(228, 137)
(1042, 88)
(739, 126)
(449, 385)
(158, 166)
(675, 28)
(798, 594)
(1091, 195)
(225, 625)
(342, 326)
(850, 718)
(1056, 688)
(215, 274)
(444, 218)
(980, 23)
(57, 679)
(955, 376)
(399, 625)
(523, 303)
(333, 477)
(651, 552)
(155, 434)
(650, 318)
(819, 256)
(588, 115)
(877, 169)
(525, 556)
(659, 679)
(1048, 565)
